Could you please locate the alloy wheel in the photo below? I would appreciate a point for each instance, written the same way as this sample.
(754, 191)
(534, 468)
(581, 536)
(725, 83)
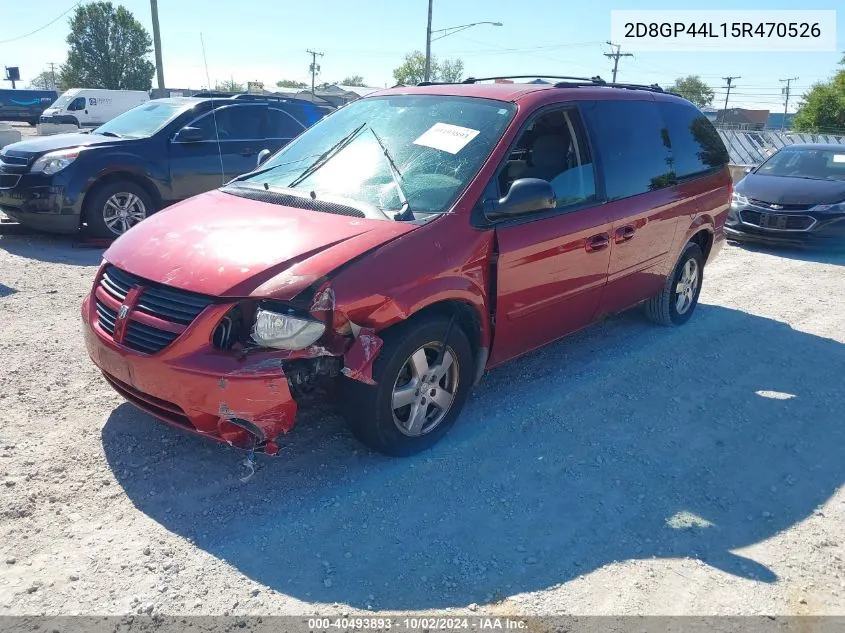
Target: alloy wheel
(687, 286)
(122, 211)
(425, 389)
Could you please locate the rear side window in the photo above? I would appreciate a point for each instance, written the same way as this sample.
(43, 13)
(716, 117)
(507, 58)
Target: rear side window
(633, 144)
(696, 146)
(233, 123)
(280, 124)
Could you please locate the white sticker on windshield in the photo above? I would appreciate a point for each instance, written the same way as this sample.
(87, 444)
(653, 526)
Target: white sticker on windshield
(446, 137)
(839, 158)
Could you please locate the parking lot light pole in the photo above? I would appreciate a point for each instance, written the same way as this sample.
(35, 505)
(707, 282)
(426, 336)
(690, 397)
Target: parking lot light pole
(451, 30)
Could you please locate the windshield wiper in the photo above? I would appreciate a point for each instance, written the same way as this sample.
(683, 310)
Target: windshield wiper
(405, 212)
(327, 155)
(109, 134)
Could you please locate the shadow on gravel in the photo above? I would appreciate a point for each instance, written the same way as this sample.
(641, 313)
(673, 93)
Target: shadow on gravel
(830, 255)
(627, 441)
(56, 249)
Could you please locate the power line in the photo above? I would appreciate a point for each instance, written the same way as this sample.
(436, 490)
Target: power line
(615, 56)
(786, 101)
(314, 70)
(729, 81)
(41, 28)
(52, 66)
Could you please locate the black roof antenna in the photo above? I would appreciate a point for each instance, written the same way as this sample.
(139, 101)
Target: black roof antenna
(213, 114)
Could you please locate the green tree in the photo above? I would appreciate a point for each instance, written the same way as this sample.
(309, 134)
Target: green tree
(450, 70)
(412, 69)
(109, 49)
(228, 85)
(822, 109)
(44, 81)
(290, 83)
(693, 89)
(354, 80)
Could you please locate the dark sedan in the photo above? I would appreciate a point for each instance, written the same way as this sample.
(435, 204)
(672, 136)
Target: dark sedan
(156, 154)
(796, 198)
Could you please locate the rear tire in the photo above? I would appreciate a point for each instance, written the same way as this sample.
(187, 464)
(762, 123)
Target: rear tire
(114, 208)
(677, 301)
(406, 370)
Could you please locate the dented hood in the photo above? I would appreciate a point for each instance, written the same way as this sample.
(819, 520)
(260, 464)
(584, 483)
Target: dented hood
(224, 245)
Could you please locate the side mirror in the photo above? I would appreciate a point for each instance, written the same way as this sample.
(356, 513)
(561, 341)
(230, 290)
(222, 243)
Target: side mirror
(526, 195)
(263, 155)
(188, 135)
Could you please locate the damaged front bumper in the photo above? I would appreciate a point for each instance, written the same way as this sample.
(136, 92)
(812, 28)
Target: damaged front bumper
(244, 400)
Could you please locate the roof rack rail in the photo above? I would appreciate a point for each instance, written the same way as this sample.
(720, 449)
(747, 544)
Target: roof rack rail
(598, 81)
(472, 80)
(568, 82)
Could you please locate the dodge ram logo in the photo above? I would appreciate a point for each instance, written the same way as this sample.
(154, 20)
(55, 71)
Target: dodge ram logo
(124, 310)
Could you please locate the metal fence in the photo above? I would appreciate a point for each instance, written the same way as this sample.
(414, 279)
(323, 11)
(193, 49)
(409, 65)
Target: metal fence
(753, 147)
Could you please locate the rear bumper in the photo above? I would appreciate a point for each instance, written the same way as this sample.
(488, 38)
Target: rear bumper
(245, 403)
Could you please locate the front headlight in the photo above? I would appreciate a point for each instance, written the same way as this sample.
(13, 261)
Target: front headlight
(738, 200)
(53, 162)
(285, 331)
(839, 207)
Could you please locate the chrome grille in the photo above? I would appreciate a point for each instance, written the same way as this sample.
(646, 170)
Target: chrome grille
(777, 222)
(175, 306)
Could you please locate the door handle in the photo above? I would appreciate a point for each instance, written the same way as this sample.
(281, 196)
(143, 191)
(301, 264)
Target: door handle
(597, 242)
(625, 233)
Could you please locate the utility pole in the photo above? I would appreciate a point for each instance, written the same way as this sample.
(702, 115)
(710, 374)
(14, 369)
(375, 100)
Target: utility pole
(729, 81)
(157, 44)
(427, 75)
(314, 70)
(615, 56)
(786, 101)
(52, 66)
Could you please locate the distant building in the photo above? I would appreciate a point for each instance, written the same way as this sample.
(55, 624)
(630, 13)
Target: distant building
(742, 119)
(710, 113)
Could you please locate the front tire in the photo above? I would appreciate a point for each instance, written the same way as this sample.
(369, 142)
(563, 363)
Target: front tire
(114, 208)
(677, 301)
(416, 399)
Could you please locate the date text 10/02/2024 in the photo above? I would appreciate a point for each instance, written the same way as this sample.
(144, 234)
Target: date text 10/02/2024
(414, 623)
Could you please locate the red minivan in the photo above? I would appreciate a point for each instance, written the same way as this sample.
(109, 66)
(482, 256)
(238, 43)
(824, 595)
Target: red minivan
(402, 246)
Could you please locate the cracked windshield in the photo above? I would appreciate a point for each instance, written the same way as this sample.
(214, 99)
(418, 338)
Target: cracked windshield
(408, 153)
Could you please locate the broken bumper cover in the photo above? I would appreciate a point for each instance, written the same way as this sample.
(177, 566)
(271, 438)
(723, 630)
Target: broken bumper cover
(246, 403)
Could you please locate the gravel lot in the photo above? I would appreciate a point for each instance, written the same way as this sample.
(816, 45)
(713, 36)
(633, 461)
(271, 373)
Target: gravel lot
(627, 470)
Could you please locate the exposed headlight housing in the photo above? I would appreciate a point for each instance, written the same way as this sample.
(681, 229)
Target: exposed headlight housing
(737, 199)
(285, 331)
(839, 207)
(53, 162)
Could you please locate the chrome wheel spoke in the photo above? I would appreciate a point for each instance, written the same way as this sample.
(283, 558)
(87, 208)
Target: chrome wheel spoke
(442, 399)
(443, 368)
(419, 363)
(403, 396)
(416, 420)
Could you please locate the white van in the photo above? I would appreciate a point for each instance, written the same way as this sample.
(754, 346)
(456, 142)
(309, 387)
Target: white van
(88, 107)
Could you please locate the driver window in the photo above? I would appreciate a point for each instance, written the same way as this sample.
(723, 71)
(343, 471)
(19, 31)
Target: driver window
(553, 148)
(77, 104)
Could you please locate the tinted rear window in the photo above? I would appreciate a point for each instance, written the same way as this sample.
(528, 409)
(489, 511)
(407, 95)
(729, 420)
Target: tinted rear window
(696, 145)
(634, 146)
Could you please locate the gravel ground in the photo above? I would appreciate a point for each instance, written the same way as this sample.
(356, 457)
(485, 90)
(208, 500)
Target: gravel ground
(627, 470)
